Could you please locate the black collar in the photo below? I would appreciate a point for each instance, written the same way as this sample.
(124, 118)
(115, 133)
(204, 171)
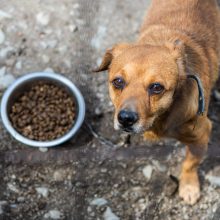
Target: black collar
(201, 102)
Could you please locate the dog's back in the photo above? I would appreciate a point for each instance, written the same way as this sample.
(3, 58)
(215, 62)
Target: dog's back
(196, 22)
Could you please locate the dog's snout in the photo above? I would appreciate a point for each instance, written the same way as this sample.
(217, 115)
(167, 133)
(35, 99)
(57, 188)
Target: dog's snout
(127, 118)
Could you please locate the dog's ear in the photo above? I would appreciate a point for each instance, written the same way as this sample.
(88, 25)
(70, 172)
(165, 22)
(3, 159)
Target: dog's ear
(110, 55)
(176, 48)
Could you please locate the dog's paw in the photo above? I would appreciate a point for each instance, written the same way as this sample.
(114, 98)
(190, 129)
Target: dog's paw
(189, 192)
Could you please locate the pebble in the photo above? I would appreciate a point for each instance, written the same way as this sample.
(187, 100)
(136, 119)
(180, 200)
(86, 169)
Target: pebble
(20, 199)
(2, 71)
(2, 37)
(96, 41)
(59, 175)
(73, 28)
(99, 202)
(4, 14)
(43, 18)
(214, 180)
(216, 95)
(48, 70)
(159, 167)
(45, 58)
(18, 65)
(4, 53)
(109, 215)
(2, 204)
(53, 214)
(6, 80)
(147, 171)
(42, 191)
(12, 187)
(43, 149)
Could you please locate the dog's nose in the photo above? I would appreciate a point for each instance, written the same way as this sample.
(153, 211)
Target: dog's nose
(127, 118)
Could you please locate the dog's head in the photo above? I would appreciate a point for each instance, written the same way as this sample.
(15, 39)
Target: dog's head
(142, 82)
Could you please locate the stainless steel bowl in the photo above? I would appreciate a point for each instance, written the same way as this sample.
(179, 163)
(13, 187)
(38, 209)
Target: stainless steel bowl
(24, 83)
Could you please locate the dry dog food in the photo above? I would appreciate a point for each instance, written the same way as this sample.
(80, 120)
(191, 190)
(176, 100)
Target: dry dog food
(43, 113)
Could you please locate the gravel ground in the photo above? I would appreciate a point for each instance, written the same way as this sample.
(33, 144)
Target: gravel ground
(100, 173)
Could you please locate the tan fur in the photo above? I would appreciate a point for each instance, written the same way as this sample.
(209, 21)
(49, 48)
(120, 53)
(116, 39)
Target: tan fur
(177, 38)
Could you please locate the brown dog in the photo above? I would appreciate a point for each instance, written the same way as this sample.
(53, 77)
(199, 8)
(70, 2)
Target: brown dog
(161, 84)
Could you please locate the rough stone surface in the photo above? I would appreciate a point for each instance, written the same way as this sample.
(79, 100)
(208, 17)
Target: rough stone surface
(70, 37)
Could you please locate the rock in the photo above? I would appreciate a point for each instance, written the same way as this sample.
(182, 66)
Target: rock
(6, 80)
(216, 94)
(18, 65)
(42, 191)
(158, 166)
(109, 215)
(2, 71)
(12, 187)
(2, 37)
(4, 14)
(99, 202)
(53, 214)
(43, 149)
(60, 175)
(104, 170)
(2, 206)
(21, 199)
(43, 18)
(48, 70)
(214, 180)
(97, 39)
(73, 28)
(147, 171)
(45, 58)
(5, 52)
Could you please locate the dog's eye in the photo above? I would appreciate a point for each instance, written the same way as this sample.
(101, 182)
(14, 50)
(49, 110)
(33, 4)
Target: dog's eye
(118, 83)
(155, 88)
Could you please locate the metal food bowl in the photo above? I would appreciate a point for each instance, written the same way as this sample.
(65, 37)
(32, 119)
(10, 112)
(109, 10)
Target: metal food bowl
(23, 84)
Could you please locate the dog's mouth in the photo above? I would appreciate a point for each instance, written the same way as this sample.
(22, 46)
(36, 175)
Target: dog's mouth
(128, 130)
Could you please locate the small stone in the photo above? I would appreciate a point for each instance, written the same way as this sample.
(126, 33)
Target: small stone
(158, 166)
(147, 171)
(49, 70)
(13, 176)
(97, 39)
(2, 37)
(104, 170)
(98, 111)
(217, 95)
(2, 71)
(18, 65)
(6, 80)
(99, 202)
(12, 187)
(43, 18)
(43, 149)
(73, 28)
(109, 215)
(75, 6)
(20, 199)
(60, 175)
(45, 58)
(214, 180)
(5, 52)
(89, 209)
(42, 191)
(4, 14)
(2, 206)
(53, 214)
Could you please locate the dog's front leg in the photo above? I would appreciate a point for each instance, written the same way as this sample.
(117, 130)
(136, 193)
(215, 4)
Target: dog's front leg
(189, 188)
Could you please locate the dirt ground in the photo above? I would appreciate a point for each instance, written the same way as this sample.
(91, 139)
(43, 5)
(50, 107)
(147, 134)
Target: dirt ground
(100, 173)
